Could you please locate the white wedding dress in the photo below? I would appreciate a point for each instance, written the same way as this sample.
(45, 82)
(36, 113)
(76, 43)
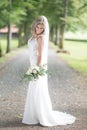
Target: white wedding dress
(38, 107)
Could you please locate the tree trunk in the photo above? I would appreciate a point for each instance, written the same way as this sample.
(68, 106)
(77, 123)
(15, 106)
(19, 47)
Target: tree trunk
(56, 34)
(9, 37)
(26, 32)
(62, 27)
(51, 33)
(61, 38)
(9, 34)
(20, 37)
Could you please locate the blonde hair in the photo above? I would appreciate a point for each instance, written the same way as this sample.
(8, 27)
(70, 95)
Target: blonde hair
(39, 20)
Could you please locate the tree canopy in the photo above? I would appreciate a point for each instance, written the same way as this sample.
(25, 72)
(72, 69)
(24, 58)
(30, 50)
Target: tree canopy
(62, 15)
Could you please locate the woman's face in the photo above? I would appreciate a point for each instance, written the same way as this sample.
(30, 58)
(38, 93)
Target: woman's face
(39, 29)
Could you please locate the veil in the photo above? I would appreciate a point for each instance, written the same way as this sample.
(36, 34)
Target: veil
(46, 39)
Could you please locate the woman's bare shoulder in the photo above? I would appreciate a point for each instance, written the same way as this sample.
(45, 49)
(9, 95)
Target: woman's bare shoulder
(40, 36)
(40, 40)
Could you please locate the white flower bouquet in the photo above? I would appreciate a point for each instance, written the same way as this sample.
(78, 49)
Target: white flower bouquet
(33, 73)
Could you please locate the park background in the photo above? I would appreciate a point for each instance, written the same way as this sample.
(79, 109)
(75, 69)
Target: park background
(67, 59)
(67, 20)
(68, 28)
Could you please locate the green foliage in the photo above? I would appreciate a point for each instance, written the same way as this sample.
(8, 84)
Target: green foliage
(23, 12)
(11, 11)
(20, 11)
(76, 15)
(35, 72)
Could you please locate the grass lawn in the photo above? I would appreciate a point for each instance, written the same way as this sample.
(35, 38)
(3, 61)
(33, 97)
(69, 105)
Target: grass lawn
(77, 58)
(14, 48)
(14, 44)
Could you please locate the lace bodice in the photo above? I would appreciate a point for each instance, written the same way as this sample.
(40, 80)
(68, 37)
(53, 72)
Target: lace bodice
(33, 51)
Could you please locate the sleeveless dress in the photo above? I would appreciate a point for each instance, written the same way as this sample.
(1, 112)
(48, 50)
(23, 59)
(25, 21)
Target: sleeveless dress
(38, 107)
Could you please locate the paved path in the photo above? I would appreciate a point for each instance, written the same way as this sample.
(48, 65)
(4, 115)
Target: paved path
(68, 92)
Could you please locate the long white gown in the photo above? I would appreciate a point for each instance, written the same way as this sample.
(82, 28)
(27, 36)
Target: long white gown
(38, 107)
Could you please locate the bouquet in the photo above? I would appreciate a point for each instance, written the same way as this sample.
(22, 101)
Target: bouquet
(34, 72)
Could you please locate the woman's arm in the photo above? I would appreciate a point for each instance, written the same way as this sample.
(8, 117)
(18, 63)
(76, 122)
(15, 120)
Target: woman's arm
(40, 45)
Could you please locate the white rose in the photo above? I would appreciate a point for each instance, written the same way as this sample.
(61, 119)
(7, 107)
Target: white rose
(28, 72)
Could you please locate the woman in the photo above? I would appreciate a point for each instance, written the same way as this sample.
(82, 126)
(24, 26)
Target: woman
(38, 107)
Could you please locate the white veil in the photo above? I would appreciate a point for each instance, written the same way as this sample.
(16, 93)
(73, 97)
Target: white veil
(46, 39)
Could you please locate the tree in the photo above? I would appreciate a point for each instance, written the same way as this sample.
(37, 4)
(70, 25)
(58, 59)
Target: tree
(63, 22)
(9, 36)
(25, 25)
(16, 13)
(67, 15)
(62, 15)
(3, 18)
(11, 13)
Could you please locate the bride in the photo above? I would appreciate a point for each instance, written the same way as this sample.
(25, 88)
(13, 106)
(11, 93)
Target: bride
(38, 107)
